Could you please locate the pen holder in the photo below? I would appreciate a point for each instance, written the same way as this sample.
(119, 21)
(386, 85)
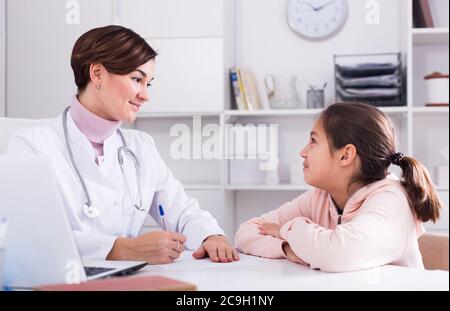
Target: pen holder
(315, 99)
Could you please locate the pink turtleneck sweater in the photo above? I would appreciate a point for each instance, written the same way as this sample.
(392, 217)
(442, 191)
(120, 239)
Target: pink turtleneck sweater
(94, 127)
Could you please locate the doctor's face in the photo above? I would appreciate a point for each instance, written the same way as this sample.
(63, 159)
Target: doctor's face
(123, 95)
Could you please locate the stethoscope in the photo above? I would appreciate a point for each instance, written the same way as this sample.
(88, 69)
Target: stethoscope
(89, 209)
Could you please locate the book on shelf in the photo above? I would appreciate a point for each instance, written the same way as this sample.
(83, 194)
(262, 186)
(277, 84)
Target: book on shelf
(241, 88)
(237, 91)
(134, 283)
(422, 17)
(244, 89)
(251, 95)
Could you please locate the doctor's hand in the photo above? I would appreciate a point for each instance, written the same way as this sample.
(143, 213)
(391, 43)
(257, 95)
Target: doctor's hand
(218, 249)
(157, 247)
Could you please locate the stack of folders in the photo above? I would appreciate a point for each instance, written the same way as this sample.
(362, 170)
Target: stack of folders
(379, 84)
(244, 90)
(136, 283)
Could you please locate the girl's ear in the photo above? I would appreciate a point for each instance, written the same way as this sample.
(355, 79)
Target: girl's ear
(347, 154)
(96, 73)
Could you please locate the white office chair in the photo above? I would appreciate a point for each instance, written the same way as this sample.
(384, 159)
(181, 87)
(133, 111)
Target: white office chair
(9, 125)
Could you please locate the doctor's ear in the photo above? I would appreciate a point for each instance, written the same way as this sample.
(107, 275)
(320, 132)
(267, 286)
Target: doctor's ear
(347, 154)
(96, 73)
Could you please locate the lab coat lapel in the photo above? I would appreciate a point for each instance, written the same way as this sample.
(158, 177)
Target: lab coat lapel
(110, 166)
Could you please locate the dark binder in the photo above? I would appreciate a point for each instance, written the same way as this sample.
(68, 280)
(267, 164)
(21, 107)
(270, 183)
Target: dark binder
(422, 17)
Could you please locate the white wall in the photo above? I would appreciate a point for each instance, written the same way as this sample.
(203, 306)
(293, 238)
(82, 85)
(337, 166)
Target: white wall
(439, 10)
(2, 58)
(229, 44)
(266, 44)
(39, 46)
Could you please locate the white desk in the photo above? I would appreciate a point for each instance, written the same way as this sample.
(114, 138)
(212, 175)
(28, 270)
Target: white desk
(254, 273)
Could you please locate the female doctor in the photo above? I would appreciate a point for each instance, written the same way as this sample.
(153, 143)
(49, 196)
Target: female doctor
(110, 178)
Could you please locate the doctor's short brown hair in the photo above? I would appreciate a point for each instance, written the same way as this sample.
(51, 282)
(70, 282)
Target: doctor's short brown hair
(120, 50)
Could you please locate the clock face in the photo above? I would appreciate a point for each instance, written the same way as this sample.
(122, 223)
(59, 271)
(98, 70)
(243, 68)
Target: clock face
(316, 19)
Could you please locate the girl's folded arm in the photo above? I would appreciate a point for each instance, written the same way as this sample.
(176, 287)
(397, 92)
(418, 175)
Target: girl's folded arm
(250, 241)
(375, 237)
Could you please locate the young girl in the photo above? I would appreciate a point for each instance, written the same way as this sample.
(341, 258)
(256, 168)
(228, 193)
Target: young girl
(358, 215)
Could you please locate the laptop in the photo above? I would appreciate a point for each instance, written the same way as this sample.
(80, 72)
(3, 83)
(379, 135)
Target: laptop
(40, 247)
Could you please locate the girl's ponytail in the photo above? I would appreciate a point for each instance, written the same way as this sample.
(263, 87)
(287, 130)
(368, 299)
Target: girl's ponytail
(422, 196)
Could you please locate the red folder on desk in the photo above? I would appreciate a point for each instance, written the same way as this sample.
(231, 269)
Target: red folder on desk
(144, 283)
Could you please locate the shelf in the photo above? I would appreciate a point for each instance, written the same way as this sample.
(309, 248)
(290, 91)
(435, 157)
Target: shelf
(237, 187)
(442, 189)
(430, 36)
(288, 187)
(299, 112)
(394, 110)
(255, 113)
(439, 111)
(168, 115)
(202, 186)
(273, 112)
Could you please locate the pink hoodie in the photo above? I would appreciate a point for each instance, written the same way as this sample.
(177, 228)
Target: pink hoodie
(377, 227)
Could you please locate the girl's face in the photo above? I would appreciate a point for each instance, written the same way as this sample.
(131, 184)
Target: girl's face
(318, 164)
(123, 95)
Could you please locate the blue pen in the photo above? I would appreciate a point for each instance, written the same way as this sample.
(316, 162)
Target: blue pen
(161, 213)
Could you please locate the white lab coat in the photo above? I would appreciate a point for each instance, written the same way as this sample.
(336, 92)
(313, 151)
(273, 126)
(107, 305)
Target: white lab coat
(105, 183)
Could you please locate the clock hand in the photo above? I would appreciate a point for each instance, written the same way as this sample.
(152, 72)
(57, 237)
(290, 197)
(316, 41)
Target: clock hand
(310, 5)
(324, 5)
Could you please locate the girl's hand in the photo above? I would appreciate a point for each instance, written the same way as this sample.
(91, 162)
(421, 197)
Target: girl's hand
(290, 254)
(270, 229)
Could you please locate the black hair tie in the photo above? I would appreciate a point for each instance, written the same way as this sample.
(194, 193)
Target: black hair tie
(396, 158)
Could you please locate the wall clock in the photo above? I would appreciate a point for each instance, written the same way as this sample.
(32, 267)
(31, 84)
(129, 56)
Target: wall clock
(316, 19)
